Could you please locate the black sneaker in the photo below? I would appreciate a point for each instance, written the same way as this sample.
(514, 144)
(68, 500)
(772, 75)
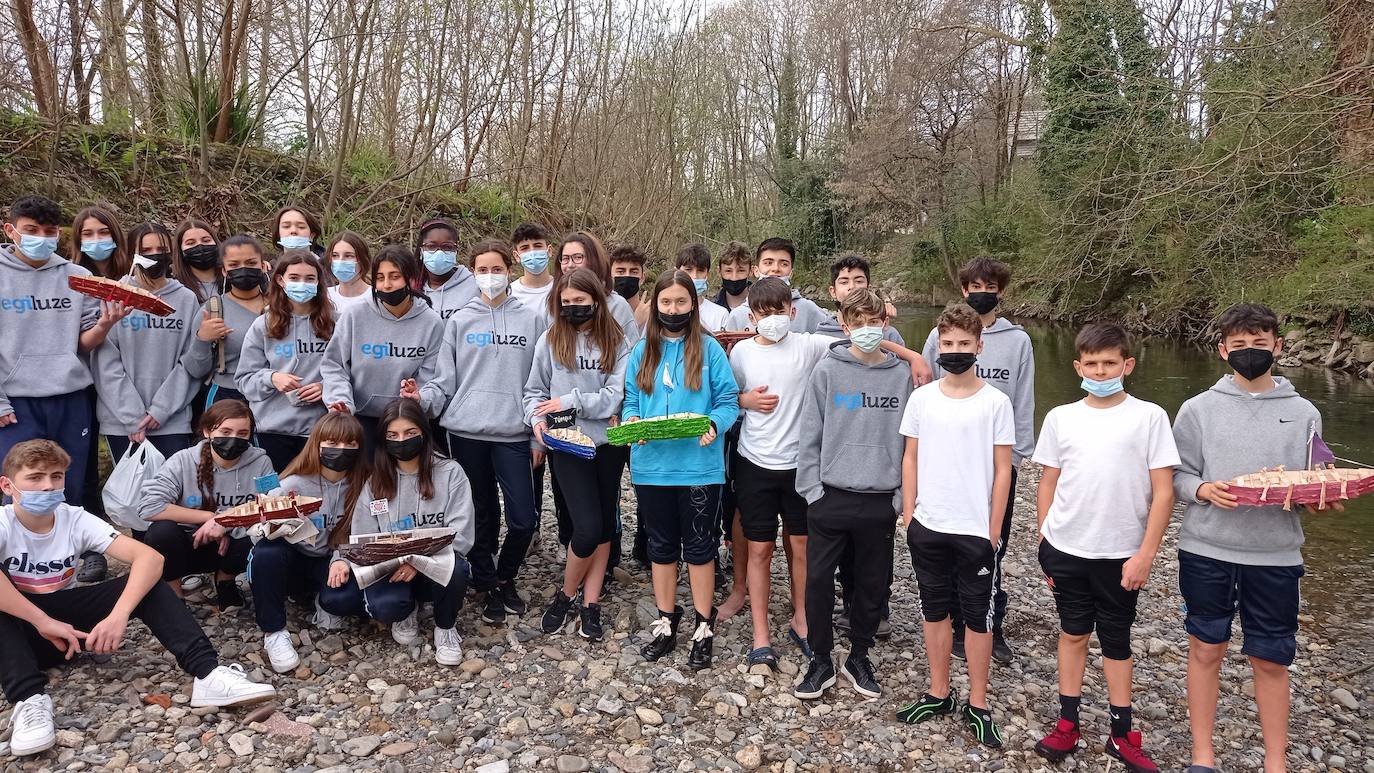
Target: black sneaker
(958, 649)
(227, 594)
(1001, 651)
(859, 672)
(664, 630)
(93, 568)
(494, 612)
(510, 597)
(590, 624)
(703, 639)
(927, 708)
(979, 723)
(819, 677)
(556, 614)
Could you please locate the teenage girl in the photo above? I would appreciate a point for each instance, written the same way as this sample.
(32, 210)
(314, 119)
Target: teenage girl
(295, 228)
(99, 245)
(350, 262)
(223, 331)
(196, 259)
(448, 282)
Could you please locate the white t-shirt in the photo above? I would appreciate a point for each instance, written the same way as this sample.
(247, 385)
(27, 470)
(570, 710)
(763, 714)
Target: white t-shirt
(713, 315)
(771, 440)
(342, 301)
(954, 461)
(537, 297)
(44, 563)
(1102, 501)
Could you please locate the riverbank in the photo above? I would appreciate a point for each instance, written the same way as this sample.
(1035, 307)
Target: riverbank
(526, 701)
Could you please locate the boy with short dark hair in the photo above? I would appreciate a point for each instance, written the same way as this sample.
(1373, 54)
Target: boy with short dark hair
(1104, 502)
(1008, 363)
(735, 264)
(44, 620)
(850, 272)
(627, 272)
(956, 471)
(1246, 559)
(775, 257)
(695, 260)
(848, 472)
(532, 243)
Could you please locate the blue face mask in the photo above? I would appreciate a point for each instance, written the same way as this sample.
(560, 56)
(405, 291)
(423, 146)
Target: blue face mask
(41, 502)
(535, 261)
(294, 242)
(98, 250)
(344, 270)
(302, 292)
(701, 286)
(440, 261)
(37, 247)
(1102, 388)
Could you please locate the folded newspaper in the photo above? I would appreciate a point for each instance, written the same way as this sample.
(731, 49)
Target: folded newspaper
(293, 530)
(437, 567)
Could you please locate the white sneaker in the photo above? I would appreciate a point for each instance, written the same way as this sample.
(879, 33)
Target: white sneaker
(191, 582)
(448, 646)
(406, 632)
(31, 723)
(228, 686)
(281, 652)
(326, 621)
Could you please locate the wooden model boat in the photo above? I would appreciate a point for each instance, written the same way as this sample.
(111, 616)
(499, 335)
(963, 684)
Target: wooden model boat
(419, 542)
(728, 338)
(111, 290)
(671, 427)
(268, 509)
(570, 440)
(1317, 488)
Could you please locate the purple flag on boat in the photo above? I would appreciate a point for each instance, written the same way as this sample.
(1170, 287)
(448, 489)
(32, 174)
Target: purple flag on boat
(1321, 454)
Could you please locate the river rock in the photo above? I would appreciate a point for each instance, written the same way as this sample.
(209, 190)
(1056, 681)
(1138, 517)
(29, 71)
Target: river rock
(362, 746)
(1345, 698)
(571, 763)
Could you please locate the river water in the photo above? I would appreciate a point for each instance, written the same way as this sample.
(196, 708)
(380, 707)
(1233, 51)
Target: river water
(1339, 552)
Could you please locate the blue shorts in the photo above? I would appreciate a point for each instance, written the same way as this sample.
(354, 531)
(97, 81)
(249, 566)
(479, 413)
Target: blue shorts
(1267, 598)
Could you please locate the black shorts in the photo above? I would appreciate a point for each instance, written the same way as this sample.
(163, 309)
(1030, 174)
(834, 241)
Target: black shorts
(933, 555)
(1088, 595)
(764, 495)
(1266, 597)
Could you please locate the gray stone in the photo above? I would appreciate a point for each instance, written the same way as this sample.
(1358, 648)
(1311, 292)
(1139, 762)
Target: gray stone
(571, 763)
(500, 766)
(362, 746)
(1345, 698)
(241, 744)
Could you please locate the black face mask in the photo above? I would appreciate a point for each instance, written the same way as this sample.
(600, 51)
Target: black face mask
(956, 362)
(159, 269)
(576, 314)
(405, 450)
(338, 459)
(392, 297)
(1251, 363)
(229, 448)
(626, 286)
(246, 278)
(734, 286)
(674, 323)
(983, 302)
(201, 256)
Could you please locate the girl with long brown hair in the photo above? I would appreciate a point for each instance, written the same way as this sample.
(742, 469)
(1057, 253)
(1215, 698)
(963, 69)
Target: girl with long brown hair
(196, 258)
(220, 472)
(578, 380)
(678, 368)
(297, 228)
(350, 261)
(98, 243)
(331, 466)
(279, 362)
(581, 249)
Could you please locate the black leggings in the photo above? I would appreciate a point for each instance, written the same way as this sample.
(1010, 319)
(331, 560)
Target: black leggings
(591, 488)
(180, 558)
(281, 449)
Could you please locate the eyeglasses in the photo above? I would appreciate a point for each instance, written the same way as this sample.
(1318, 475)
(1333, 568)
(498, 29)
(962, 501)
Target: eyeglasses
(573, 260)
(446, 246)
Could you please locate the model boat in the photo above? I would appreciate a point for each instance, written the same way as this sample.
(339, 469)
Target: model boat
(371, 549)
(1317, 488)
(266, 508)
(569, 440)
(670, 427)
(728, 338)
(111, 290)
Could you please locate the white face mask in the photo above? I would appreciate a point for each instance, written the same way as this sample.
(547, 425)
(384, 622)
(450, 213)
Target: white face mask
(492, 285)
(774, 327)
(866, 338)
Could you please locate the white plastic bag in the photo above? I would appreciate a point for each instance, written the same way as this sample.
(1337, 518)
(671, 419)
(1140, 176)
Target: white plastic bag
(124, 489)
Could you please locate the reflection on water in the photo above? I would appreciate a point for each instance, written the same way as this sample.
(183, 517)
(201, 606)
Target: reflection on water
(1340, 547)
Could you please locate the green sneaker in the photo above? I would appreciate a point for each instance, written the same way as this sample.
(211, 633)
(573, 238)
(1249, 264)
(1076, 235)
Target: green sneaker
(928, 707)
(979, 722)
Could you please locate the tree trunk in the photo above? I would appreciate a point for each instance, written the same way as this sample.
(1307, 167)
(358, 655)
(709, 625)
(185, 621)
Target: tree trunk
(38, 58)
(1352, 30)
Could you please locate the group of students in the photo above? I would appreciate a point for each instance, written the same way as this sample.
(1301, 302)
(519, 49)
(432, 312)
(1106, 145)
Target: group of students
(411, 389)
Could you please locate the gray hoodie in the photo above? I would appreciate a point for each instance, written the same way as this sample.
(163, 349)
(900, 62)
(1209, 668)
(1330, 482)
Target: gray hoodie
(201, 359)
(334, 494)
(831, 327)
(41, 321)
(808, 318)
(849, 419)
(372, 351)
(596, 396)
(625, 316)
(138, 370)
(453, 294)
(451, 506)
(482, 369)
(1007, 363)
(299, 353)
(176, 484)
(1225, 432)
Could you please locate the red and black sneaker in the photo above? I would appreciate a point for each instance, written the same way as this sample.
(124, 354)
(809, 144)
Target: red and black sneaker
(1131, 755)
(1060, 743)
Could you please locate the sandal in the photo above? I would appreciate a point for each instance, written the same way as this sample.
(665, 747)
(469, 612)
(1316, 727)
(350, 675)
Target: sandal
(801, 643)
(763, 656)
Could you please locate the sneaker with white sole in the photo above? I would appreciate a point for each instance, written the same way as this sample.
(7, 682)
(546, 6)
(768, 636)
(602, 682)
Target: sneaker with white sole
(228, 686)
(32, 727)
(324, 620)
(191, 582)
(406, 632)
(448, 646)
(280, 651)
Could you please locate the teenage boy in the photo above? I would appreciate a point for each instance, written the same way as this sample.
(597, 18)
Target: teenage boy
(695, 260)
(47, 326)
(959, 433)
(847, 470)
(775, 257)
(1246, 559)
(850, 272)
(1104, 501)
(735, 265)
(45, 621)
(532, 244)
(1007, 363)
(627, 278)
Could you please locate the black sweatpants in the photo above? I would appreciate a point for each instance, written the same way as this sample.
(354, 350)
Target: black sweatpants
(591, 488)
(181, 558)
(843, 522)
(999, 598)
(27, 654)
(281, 449)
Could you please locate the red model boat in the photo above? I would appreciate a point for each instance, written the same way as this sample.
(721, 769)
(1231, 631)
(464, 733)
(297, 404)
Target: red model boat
(728, 338)
(1317, 488)
(385, 547)
(110, 290)
(268, 509)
